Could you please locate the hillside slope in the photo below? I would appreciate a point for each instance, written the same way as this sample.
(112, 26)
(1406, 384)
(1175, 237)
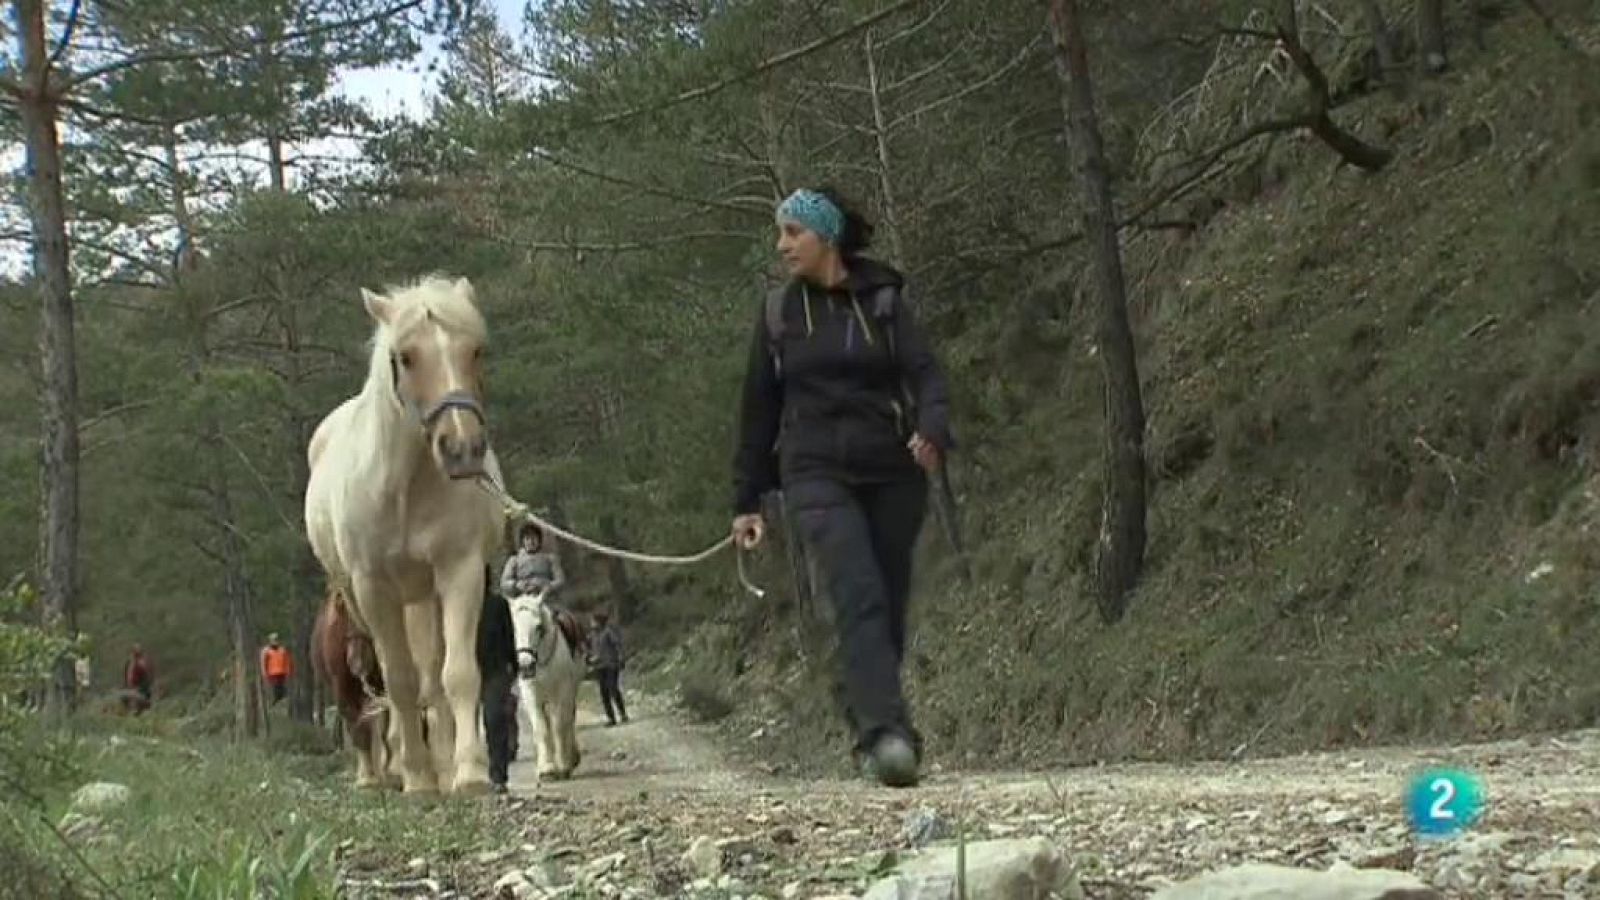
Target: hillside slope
(1373, 412)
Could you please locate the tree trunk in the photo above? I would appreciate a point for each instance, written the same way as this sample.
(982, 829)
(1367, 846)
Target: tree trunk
(772, 136)
(235, 584)
(1350, 148)
(1383, 46)
(185, 262)
(1120, 556)
(58, 521)
(570, 563)
(617, 573)
(304, 569)
(276, 164)
(880, 131)
(1430, 35)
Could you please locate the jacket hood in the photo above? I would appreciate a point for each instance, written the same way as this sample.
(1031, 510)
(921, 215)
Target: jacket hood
(867, 274)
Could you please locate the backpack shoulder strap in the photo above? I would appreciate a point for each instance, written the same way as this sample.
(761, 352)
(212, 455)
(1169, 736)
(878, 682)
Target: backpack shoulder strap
(884, 301)
(774, 319)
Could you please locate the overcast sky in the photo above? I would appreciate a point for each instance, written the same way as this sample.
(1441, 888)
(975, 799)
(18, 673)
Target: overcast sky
(394, 89)
(386, 91)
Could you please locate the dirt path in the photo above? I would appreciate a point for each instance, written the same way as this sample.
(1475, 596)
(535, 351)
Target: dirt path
(654, 752)
(648, 789)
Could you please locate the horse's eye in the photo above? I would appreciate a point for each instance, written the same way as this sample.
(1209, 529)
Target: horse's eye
(405, 359)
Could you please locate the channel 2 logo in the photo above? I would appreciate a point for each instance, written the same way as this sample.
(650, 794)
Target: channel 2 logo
(1443, 802)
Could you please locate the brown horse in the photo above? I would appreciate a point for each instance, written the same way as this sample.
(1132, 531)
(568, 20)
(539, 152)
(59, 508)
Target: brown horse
(344, 660)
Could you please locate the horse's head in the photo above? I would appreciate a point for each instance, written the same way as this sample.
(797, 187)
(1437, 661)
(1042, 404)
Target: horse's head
(534, 628)
(430, 342)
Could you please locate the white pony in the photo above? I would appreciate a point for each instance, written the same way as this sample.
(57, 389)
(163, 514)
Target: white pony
(551, 663)
(394, 515)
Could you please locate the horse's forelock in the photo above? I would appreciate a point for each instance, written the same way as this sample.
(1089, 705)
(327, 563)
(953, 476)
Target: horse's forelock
(435, 299)
(431, 297)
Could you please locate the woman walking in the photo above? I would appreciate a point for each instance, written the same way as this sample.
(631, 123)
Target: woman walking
(839, 367)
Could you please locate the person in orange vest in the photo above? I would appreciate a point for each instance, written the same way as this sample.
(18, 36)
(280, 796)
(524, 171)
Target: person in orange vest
(276, 667)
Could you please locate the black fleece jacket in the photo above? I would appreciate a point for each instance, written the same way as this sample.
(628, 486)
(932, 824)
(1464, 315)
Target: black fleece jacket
(839, 403)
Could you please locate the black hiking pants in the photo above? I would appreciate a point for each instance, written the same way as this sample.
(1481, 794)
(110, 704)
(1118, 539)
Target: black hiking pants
(611, 694)
(863, 537)
(498, 724)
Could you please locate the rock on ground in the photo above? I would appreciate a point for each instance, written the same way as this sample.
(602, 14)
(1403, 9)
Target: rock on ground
(1262, 881)
(100, 796)
(1018, 869)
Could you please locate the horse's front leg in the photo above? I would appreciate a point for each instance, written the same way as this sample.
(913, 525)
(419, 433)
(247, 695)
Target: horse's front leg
(460, 589)
(427, 648)
(388, 629)
(567, 716)
(530, 707)
(549, 736)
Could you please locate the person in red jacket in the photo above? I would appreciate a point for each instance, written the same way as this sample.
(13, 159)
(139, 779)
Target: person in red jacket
(138, 676)
(276, 667)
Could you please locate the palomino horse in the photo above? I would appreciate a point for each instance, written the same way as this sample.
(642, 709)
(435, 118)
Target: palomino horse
(396, 518)
(551, 651)
(344, 660)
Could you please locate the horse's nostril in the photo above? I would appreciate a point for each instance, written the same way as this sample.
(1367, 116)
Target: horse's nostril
(479, 446)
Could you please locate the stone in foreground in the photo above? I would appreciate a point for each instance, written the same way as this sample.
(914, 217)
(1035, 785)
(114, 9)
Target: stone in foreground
(1261, 881)
(1017, 869)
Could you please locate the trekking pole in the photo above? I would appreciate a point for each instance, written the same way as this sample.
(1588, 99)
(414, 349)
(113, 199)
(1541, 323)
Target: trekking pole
(949, 515)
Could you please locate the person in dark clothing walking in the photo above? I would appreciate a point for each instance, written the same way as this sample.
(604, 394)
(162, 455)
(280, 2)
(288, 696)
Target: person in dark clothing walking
(497, 664)
(608, 664)
(839, 368)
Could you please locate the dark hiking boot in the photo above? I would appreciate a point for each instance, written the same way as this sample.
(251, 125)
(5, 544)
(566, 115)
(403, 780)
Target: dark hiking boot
(892, 762)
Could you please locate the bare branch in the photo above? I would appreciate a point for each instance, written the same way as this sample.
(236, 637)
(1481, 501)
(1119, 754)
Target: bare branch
(217, 312)
(762, 67)
(242, 48)
(664, 193)
(912, 29)
(993, 77)
(131, 259)
(109, 116)
(922, 73)
(1349, 147)
(111, 413)
(623, 246)
(267, 491)
(1203, 167)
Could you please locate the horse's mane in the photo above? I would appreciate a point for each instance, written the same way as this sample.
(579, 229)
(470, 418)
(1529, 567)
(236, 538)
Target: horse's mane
(446, 301)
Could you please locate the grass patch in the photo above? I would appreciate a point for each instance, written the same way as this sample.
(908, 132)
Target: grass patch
(214, 819)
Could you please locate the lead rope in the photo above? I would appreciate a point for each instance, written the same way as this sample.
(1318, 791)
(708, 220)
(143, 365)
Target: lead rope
(518, 510)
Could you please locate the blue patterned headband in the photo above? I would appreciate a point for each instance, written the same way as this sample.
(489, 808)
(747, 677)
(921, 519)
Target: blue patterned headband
(811, 210)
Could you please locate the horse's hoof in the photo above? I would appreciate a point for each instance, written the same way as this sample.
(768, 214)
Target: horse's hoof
(473, 787)
(370, 784)
(411, 784)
